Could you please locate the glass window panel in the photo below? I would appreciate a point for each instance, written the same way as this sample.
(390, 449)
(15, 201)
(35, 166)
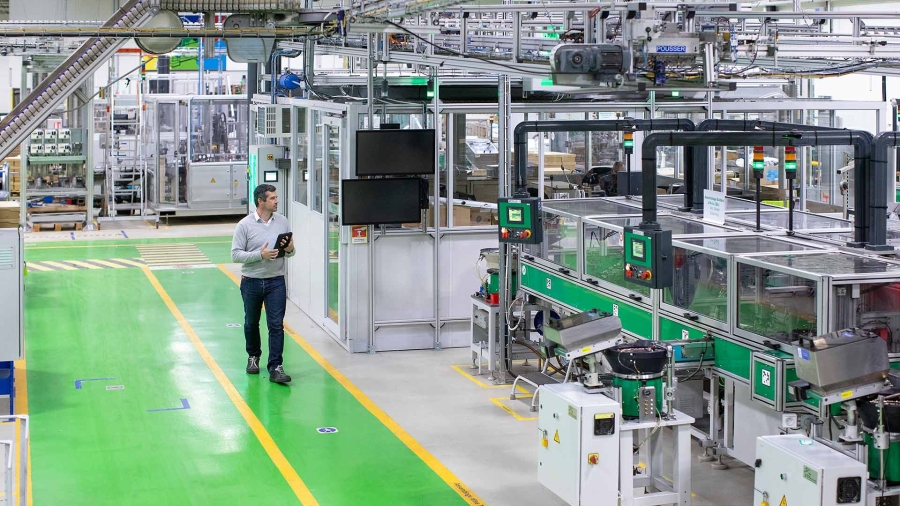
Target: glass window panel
(872, 306)
(316, 175)
(776, 305)
(301, 174)
(604, 258)
(700, 284)
(560, 244)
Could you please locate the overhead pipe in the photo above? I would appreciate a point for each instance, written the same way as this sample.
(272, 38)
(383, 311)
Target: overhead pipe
(863, 215)
(879, 190)
(860, 140)
(520, 143)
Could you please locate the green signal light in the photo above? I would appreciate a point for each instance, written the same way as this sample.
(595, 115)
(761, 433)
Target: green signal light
(790, 166)
(628, 144)
(759, 165)
(676, 93)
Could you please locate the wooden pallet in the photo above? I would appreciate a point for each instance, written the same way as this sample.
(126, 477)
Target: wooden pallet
(56, 227)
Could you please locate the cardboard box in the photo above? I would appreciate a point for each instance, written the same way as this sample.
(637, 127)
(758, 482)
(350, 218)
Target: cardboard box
(553, 160)
(9, 214)
(461, 217)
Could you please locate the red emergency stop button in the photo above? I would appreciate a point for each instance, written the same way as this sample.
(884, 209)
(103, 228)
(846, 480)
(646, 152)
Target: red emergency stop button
(526, 234)
(593, 459)
(646, 275)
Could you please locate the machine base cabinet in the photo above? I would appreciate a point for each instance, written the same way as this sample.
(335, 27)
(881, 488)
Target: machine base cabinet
(579, 445)
(799, 471)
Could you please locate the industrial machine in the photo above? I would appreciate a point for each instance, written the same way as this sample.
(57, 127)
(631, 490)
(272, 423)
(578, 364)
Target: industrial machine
(587, 427)
(196, 149)
(12, 296)
(796, 470)
(268, 164)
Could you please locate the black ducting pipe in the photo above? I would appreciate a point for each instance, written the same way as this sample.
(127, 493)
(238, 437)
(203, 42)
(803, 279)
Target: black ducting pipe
(862, 220)
(878, 196)
(701, 156)
(861, 142)
(522, 130)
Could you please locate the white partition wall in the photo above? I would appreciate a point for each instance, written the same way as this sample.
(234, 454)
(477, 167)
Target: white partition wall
(329, 278)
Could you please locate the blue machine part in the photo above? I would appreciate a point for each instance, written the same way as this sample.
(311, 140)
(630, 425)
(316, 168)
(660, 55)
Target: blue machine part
(659, 73)
(539, 320)
(289, 81)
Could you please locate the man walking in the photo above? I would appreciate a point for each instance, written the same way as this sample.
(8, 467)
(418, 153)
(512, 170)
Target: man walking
(263, 278)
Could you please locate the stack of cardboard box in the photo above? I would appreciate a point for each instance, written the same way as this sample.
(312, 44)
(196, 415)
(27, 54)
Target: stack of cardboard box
(9, 214)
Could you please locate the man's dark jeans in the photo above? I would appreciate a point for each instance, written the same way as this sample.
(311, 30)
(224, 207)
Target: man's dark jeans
(273, 292)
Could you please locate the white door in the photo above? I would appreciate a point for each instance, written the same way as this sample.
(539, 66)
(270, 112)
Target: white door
(331, 209)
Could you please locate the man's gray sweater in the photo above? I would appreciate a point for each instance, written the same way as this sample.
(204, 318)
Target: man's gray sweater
(250, 235)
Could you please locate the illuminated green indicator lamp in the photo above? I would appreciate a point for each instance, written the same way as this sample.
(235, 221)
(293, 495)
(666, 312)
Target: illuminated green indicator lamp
(429, 91)
(759, 165)
(790, 158)
(676, 93)
(628, 140)
(629, 144)
(790, 165)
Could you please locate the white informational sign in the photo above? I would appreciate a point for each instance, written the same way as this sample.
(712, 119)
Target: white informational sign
(714, 207)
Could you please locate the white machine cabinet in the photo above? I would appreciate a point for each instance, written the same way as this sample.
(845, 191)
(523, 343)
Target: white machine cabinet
(12, 294)
(798, 471)
(579, 461)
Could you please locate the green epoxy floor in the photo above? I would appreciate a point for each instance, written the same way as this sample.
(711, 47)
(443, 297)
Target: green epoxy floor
(97, 446)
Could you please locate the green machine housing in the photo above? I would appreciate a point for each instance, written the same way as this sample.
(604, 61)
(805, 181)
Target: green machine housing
(520, 220)
(648, 257)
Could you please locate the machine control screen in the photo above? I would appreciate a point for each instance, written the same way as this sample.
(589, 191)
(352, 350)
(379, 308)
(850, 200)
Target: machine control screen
(637, 249)
(514, 215)
(270, 176)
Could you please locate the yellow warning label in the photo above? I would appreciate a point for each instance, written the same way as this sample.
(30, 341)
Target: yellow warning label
(783, 501)
(846, 395)
(586, 349)
(213, 180)
(556, 437)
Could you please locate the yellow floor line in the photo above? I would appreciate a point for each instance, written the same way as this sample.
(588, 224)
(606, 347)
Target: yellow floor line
(296, 483)
(482, 384)
(60, 266)
(109, 264)
(37, 267)
(83, 264)
(20, 407)
(129, 262)
(383, 417)
(496, 400)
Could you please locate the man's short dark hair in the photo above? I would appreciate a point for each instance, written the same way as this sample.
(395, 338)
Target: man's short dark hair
(260, 192)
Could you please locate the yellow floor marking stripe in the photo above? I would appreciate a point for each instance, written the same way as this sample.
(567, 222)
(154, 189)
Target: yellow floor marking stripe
(129, 262)
(108, 264)
(496, 400)
(20, 407)
(482, 384)
(16, 487)
(114, 245)
(281, 462)
(37, 267)
(82, 264)
(60, 266)
(383, 417)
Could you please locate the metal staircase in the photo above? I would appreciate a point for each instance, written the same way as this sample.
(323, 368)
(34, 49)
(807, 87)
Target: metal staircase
(35, 108)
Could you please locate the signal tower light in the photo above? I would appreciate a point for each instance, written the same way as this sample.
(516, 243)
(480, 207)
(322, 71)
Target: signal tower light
(628, 141)
(790, 160)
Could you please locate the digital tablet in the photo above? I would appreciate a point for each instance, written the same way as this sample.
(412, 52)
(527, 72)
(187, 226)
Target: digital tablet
(282, 242)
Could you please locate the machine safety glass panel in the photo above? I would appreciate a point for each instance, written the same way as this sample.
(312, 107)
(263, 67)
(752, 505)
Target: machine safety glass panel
(775, 304)
(604, 257)
(836, 264)
(701, 278)
(802, 221)
(700, 283)
(301, 171)
(870, 306)
(678, 226)
(219, 130)
(560, 244)
(590, 207)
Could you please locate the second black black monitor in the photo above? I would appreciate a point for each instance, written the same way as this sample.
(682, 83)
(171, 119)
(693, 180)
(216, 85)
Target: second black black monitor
(395, 152)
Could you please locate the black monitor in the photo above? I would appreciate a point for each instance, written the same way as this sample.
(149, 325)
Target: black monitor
(395, 152)
(382, 201)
